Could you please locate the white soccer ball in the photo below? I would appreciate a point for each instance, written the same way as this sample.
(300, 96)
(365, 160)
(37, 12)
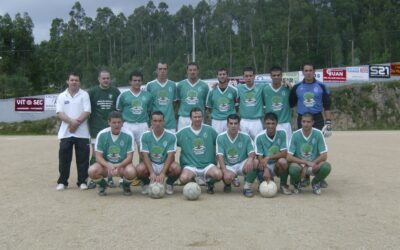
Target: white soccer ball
(192, 191)
(156, 190)
(268, 189)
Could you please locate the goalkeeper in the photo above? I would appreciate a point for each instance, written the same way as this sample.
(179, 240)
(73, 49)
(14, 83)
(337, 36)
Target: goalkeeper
(312, 96)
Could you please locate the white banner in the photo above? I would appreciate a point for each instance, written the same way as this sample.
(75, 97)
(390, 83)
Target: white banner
(50, 102)
(357, 73)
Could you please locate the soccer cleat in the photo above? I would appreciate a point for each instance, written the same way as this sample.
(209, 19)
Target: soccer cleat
(110, 182)
(285, 190)
(210, 188)
(83, 186)
(145, 189)
(323, 184)
(297, 188)
(316, 188)
(236, 182)
(248, 192)
(170, 189)
(227, 188)
(102, 191)
(61, 187)
(91, 184)
(127, 189)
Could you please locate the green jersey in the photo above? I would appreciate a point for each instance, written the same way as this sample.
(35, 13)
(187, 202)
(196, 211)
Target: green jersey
(164, 96)
(191, 95)
(102, 102)
(135, 108)
(222, 103)
(266, 146)
(114, 150)
(158, 148)
(307, 148)
(236, 150)
(277, 101)
(250, 101)
(197, 147)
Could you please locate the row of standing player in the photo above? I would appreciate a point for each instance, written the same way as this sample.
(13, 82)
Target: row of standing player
(192, 92)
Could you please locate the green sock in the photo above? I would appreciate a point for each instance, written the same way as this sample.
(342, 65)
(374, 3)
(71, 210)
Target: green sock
(283, 176)
(92, 160)
(145, 181)
(171, 180)
(294, 172)
(322, 173)
(102, 182)
(250, 176)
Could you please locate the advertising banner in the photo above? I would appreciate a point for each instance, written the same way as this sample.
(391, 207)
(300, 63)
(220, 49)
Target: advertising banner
(29, 104)
(379, 71)
(357, 73)
(50, 102)
(334, 75)
(291, 77)
(395, 69)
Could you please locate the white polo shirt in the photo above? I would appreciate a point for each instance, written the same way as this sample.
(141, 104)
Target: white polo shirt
(73, 106)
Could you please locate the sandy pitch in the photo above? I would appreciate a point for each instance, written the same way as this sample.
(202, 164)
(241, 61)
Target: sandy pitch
(359, 210)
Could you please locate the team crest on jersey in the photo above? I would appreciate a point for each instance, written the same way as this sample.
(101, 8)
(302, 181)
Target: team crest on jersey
(191, 97)
(273, 150)
(306, 150)
(136, 108)
(229, 95)
(232, 156)
(113, 154)
(277, 103)
(121, 143)
(198, 146)
(156, 153)
(313, 141)
(110, 96)
(205, 135)
(223, 104)
(164, 143)
(163, 98)
(249, 99)
(308, 99)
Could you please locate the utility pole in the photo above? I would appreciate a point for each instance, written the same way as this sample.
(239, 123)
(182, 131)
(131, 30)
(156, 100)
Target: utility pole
(352, 52)
(194, 43)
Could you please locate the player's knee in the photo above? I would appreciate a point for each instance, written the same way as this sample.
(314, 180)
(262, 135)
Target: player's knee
(175, 169)
(184, 178)
(141, 170)
(130, 172)
(294, 169)
(282, 163)
(94, 171)
(325, 167)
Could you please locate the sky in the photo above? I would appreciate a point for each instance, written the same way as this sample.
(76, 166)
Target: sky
(42, 12)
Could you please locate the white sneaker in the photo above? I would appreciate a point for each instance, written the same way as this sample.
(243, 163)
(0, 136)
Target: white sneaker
(170, 189)
(83, 186)
(236, 182)
(145, 189)
(60, 187)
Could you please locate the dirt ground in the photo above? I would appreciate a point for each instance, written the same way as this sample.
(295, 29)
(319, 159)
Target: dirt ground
(359, 210)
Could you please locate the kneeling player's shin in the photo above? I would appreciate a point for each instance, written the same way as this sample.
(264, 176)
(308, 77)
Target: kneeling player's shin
(323, 171)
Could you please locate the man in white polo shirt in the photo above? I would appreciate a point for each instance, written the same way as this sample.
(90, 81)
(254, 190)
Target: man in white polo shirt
(73, 109)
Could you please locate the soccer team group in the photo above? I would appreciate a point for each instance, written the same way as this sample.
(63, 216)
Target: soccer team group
(250, 133)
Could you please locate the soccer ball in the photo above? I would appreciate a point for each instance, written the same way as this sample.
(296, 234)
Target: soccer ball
(192, 191)
(268, 189)
(156, 190)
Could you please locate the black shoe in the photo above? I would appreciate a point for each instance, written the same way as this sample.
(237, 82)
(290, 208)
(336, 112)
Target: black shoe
(127, 189)
(210, 188)
(228, 188)
(91, 184)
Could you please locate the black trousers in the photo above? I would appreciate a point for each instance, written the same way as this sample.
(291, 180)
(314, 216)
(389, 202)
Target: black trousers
(318, 121)
(82, 152)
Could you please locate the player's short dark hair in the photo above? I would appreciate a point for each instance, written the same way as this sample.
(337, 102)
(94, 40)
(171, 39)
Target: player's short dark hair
(74, 73)
(308, 114)
(192, 64)
(162, 62)
(271, 116)
(308, 64)
(136, 73)
(249, 68)
(222, 69)
(195, 109)
(233, 117)
(157, 112)
(275, 68)
(114, 114)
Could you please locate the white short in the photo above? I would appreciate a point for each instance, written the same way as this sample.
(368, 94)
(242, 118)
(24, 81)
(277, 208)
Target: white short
(237, 168)
(200, 173)
(219, 125)
(271, 167)
(137, 129)
(183, 122)
(251, 127)
(157, 167)
(288, 129)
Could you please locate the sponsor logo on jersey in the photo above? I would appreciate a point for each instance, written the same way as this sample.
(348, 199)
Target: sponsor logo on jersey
(308, 99)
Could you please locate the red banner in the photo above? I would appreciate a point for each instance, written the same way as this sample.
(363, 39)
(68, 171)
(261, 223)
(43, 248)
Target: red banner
(29, 104)
(334, 75)
(395, 69)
